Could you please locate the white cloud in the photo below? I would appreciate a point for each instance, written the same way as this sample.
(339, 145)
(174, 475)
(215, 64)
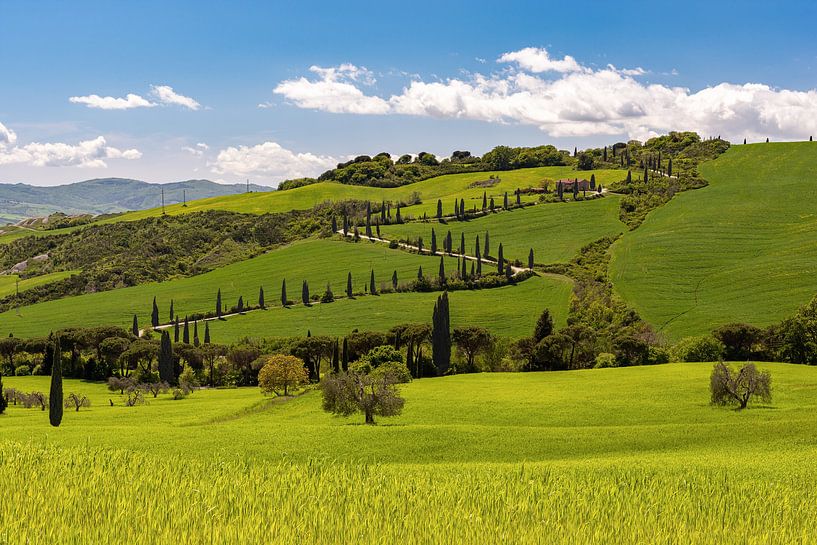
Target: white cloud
(269, 161)
(203, 146)
(166, 95)
(88, 153)
(578, 101)
(534, 59)
(112, 103)
(198, 150)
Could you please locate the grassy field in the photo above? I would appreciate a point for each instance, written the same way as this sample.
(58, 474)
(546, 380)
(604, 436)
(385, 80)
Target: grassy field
(509, 311)
(555, 231)
(8, 282)
(741, 249)
(447, 188)
(512, 310)
(634, 455)
(317, 261)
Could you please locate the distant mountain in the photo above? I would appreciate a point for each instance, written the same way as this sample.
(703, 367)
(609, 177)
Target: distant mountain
(104, 196)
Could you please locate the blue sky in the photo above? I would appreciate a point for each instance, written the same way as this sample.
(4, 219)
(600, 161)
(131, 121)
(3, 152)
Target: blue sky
(342, 79)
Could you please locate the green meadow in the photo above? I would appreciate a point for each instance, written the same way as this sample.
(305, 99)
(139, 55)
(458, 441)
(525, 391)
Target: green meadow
(555, 231)
(741, 250)
(630, 455)
(9, 286)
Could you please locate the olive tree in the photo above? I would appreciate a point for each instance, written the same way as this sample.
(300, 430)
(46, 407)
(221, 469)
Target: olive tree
(280, 373)
(76, 401)
(371, 393)
(729, 386)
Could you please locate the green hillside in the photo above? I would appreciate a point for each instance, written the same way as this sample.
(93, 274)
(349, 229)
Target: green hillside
(742, 249)
(8, 282)
(509, 311)
(577, 456)
(447, 188)
(317, 261)
(555, 231)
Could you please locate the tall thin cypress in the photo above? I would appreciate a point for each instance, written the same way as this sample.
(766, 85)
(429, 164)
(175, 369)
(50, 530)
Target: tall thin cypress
(487, 251)
(530, 259)
(261, 302)
(172, 314)
(55, 395)
(186, 332)
(195, 332)
(166, 359)
(154, 315)
(462, 208)
(218, 304)
(499, 260)
(394, 279)
(439, 209)
(442, 269)
(372, 286)
(505, 201)
(284, 293)
(135, 326)
(206, 332)
(484, 200)
(349, 285)
(478, 256)
(334, 225)
(462, 243)
(441, 335)
(464, 273)
(176, 330)
(305, 293)
(420, 273)
(399, 218)
(433, 241)
(345, 354)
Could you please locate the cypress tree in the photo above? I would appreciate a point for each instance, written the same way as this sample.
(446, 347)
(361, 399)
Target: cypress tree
(284, 300)
(345, 225)
(530, 259)
(493, 206)
(505, 201)
(420, 273)
(305, 293)
(420, 245)
(441, 335)
(410, 359)
(154, 315)
(811, 139)
(186, 332)
(499, 260)
(372, 286)
(462, 208)
(575, 151)
(399, 217)
(382, 211)
(206, 332)
(369, 225)
(356, 234)
(442, 269)
(218, 304)
(744, 141)
(172, 314)
(336, 356)
(439, 209)
(462, 243)
(344, 358)
(394, 279)
(484, 200)
(464, 272)
(166, 359)
(55, 395)
(176, 330)
(456, 209)
(3, 402)
(448, 244)
(478, 256)
(261, 302)
(472, 270)
(518, 197)
(135, 326)
(378, 230)
(629, 177)
(767, 139)
(433, 242)
(646, 175)
(196, 333)
(487, 251)
(240, 304)
(604, 154)
(349, 285)
(334, 225)
(669, 167)
(508, 270)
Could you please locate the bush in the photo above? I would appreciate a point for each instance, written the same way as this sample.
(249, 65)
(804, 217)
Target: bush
(38, 370)
(657, 355)
(604, 360)
(691, 349)
(22, 371)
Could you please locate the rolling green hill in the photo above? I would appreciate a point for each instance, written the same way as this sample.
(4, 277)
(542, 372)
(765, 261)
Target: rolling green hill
(318, 262)
(742, 249)
(555, 231)
(633, 455)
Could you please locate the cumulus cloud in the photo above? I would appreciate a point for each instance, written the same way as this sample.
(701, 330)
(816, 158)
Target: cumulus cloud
(163, 94)
(88, 153)
(166, 95)
(198, 150)
(269, 161)
(577, 101)
(535, 59)
(113, 103)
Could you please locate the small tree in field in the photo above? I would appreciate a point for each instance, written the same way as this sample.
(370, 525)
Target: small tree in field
(76, 401)
(280, 373)
(354, 391)
(739, 387)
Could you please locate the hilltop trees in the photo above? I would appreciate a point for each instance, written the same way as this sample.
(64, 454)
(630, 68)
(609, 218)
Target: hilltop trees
(728, 386)
(441, 335)
(471, 341)
(280, 373)
(738, 340)
(55, 395)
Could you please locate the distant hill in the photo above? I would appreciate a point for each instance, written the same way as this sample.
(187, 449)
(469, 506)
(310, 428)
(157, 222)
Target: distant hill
(104, 196)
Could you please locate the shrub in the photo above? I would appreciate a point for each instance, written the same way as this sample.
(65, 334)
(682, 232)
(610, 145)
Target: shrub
(657, 355)
(690, 349)
(604, 360)
(22, 371)
(280, 373)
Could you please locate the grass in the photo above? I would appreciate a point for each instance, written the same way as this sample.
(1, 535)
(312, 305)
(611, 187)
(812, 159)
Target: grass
(555, 231)
(740, 250)
(634, 455)
(317, 261)
(446, 188)
(8, 282)
(509, 311)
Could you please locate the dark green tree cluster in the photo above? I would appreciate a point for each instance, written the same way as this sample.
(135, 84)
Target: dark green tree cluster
(441, 335)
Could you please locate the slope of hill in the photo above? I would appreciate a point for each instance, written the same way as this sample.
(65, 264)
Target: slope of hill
(104, 195)
(742, 249)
